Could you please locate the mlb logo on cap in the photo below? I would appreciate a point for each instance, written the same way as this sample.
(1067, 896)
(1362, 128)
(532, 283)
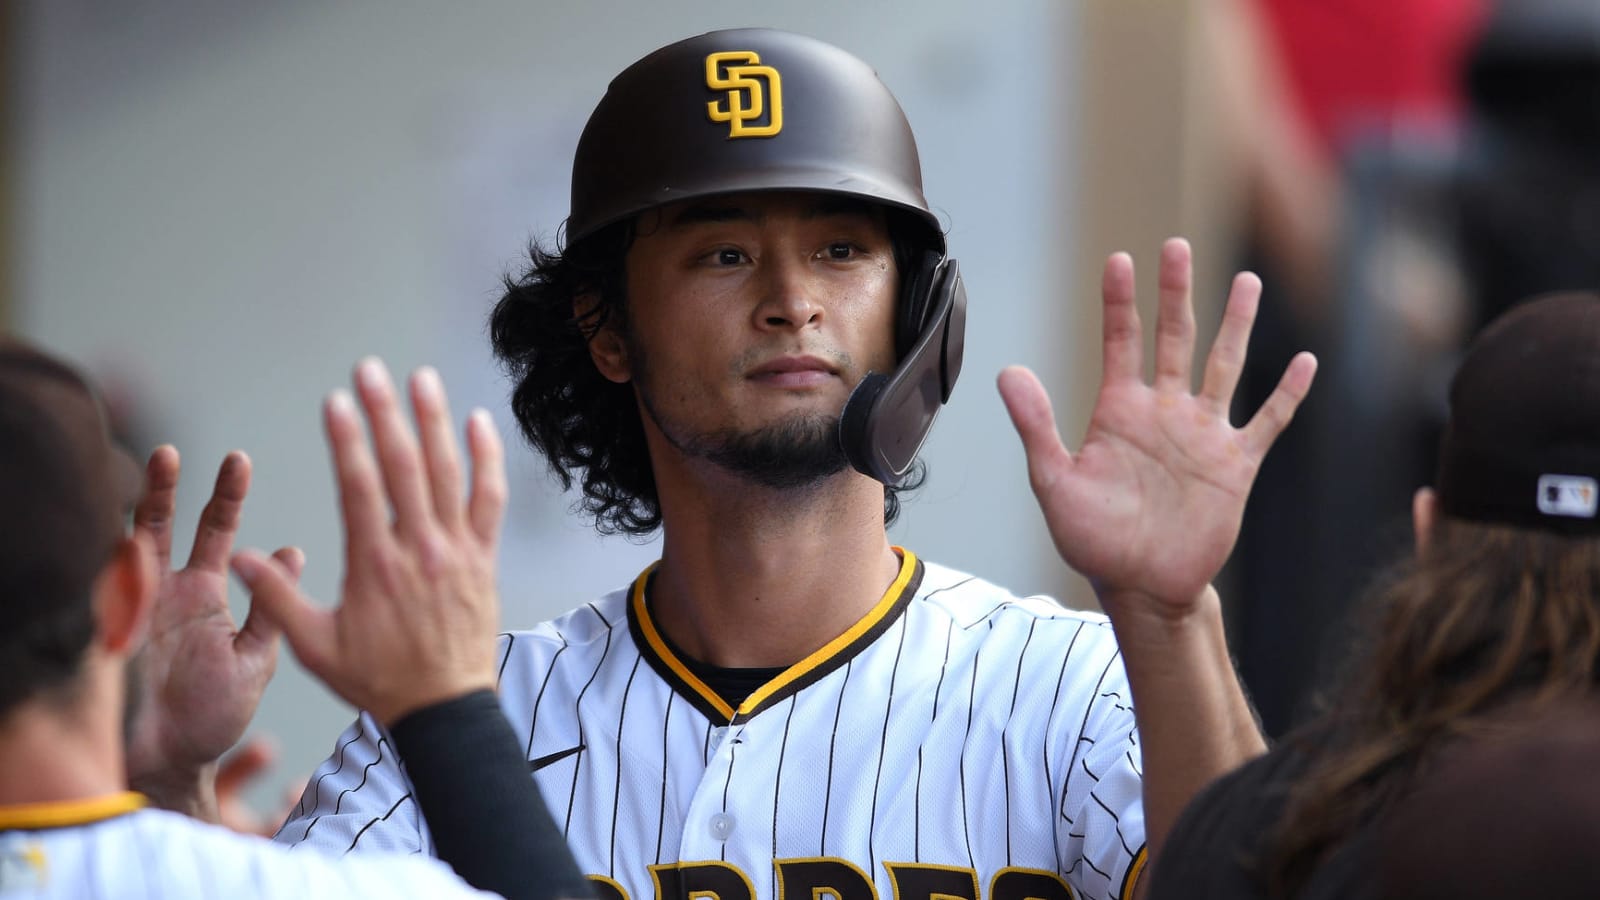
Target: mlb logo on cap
(1567, 495)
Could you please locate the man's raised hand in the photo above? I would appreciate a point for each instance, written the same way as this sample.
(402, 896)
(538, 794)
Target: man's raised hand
(1150, 506)
(201, 678)
(418, 610)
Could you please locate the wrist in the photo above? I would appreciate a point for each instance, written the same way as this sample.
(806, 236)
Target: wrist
(1147, 612)
(394, 710)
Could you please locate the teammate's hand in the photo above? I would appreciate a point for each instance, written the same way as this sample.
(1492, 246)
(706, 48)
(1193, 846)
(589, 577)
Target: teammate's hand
(1150, 506)
(250, 762)
(202, 678)
(418, 614)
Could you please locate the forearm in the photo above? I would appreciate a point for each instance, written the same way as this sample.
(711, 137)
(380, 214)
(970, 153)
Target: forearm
(488, 819)
(1194, 721)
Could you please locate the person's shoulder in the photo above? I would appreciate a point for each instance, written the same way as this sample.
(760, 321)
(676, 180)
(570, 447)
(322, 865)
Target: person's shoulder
(585, 624)
(969, 600)
(244, 865)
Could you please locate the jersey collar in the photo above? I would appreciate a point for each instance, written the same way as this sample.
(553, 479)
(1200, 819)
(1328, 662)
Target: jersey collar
(66, 813)
(830, 656)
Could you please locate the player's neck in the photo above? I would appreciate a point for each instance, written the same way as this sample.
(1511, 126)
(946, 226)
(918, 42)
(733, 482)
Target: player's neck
(750, 577)
(51, 753)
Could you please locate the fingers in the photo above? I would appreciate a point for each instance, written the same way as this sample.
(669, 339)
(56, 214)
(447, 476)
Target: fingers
(399, 458)
(1122, 342)
(361, 501)
(158, 502)
(1274, 415)
(438, 445)
(239, 768)
(1174, 318)
(274, 596)
(260, 632)
(1031, 414)
(488, 502)
(1227, 356)
(219, 521)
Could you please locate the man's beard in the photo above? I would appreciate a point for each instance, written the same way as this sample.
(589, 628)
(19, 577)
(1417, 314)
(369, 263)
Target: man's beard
(794, 454)
(790, 455)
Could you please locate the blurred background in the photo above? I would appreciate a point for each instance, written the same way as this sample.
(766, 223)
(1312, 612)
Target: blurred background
(217, 208)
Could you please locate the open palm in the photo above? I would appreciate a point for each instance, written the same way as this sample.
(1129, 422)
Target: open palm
(202, 676)
(1151, 503)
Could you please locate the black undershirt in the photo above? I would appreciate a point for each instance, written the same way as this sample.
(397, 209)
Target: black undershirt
(731, 684)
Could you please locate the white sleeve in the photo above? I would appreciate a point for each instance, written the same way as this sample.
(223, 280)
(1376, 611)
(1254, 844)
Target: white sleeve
(359, 799)
(1102, 811)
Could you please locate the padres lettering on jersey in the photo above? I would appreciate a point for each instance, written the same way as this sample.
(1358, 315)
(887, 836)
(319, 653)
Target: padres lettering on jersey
(958, 741)
(110, 847)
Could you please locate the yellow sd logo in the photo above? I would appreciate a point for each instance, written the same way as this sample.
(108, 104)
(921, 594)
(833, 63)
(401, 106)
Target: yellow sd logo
(753, 90)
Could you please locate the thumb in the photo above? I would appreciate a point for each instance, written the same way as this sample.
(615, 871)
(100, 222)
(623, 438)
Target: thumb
(260, 633)
(277, 604)
(1035, 421)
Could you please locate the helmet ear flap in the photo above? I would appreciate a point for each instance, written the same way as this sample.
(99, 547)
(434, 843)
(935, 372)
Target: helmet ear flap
(916, 302)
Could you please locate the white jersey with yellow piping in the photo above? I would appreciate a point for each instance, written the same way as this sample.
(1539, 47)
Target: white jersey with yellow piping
(958, 741)
(112, 848)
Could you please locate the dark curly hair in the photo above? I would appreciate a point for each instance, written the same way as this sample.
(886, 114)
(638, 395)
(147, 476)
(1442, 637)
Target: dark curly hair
(588, 427)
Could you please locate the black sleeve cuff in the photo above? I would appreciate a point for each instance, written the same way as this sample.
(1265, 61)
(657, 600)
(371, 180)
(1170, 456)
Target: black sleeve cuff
(484, 809)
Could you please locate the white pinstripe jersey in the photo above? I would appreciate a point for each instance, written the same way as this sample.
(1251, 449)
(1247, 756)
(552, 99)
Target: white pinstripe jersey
(109, 849)
(957, 741)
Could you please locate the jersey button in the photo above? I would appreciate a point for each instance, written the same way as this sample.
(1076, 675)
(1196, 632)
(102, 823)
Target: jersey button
(721, 826)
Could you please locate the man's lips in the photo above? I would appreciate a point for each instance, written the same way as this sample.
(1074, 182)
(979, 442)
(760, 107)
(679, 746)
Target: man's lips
(794, 372)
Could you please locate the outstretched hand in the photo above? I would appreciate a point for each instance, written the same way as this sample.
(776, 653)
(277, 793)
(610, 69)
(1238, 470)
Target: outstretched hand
(419, 611)
(202, 678)
(1150, 506)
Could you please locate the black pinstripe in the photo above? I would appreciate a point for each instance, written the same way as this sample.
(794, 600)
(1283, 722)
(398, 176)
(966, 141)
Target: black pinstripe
(382, 742)
(316, 788)
(733, 753)
(916, 835)
(533, 720)
(883, 741)
(511, 641)
(616, 793)
(661, 819)
(777, 786)
(577, 715)
(1055, 702)
(1088, 708)
(961, 767)
(383, 818)
(1005, 752)
(827, 791)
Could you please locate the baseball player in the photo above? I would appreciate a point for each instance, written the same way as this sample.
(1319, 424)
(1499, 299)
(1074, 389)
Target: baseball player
(743, 342)
(1492, 625)
(80, 599)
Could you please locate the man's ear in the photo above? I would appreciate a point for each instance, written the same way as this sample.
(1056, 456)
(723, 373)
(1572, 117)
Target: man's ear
(1424, 514)
(124, 595)
(606, 346)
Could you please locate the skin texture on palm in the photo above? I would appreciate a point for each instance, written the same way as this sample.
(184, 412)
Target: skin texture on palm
(200, 676)
(418, 610)
(1149, 509)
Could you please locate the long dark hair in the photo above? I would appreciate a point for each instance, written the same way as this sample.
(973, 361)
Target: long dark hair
(1486, 615)
(586, 426)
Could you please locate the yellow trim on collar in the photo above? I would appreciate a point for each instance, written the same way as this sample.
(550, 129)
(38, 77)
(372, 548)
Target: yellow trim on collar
(58, 814)
(653, 637)
(908, 568)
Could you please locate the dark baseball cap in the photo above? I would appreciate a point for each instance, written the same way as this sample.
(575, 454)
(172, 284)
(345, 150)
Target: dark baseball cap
(1522, 445)
(65, 486)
